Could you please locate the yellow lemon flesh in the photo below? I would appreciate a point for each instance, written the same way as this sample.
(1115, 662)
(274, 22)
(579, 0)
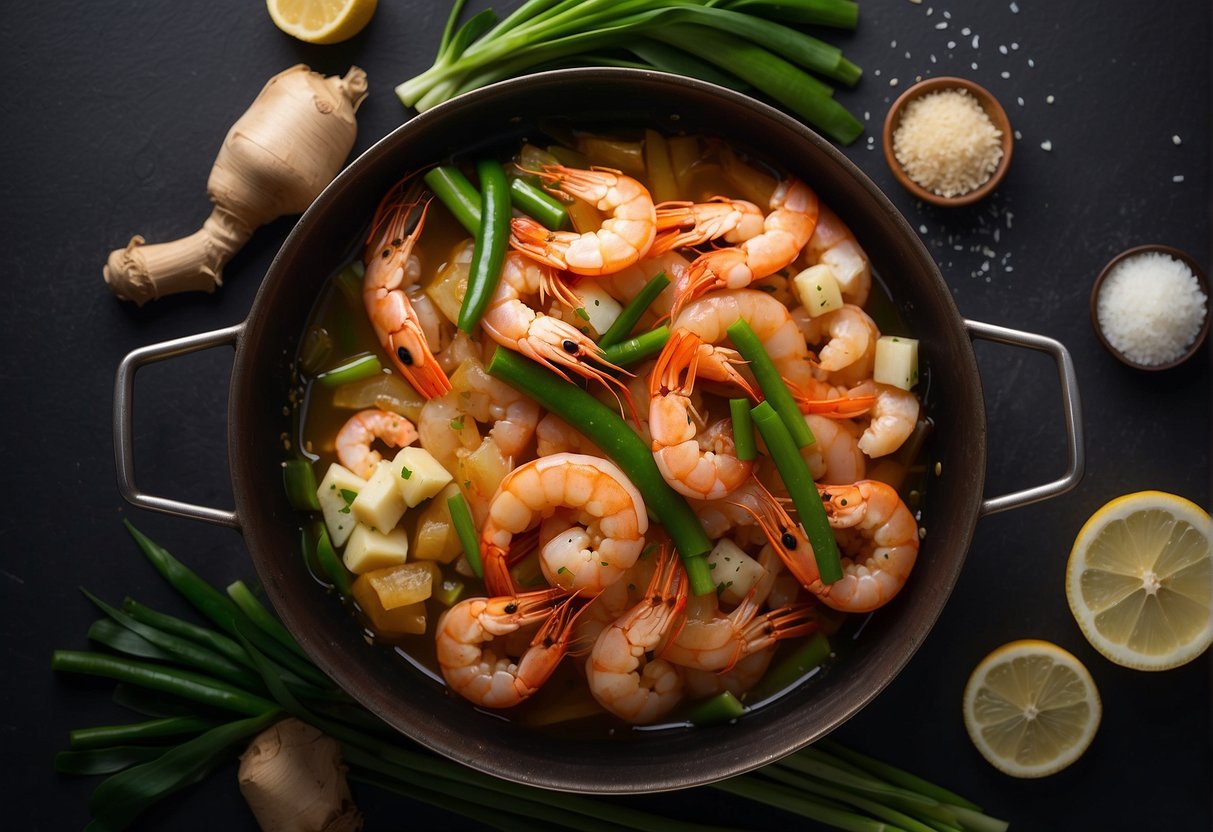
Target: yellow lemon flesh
(321, 21)
(1031, 708)
(1140, 580)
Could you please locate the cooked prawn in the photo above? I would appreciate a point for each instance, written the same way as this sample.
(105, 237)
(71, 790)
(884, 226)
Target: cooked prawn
(625, 284)
(747, 672)
(847, 336)
(354, 440)
(697, 464)
(835, 245)
(834, 457)
(892, 419)
(491, 678)
(786, 229)
(694, 223)
(390, 268)
(622, 678)
(623, 238)
(606, 521)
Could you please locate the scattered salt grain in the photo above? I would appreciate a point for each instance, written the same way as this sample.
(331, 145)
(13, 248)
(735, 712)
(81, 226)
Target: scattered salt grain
(1014, 8)
(1005, 74)
(946, 143)
(1179, 177)
(1049, 99)
(1176, 140)
(892, 82)
(1002, 49)
(943, 24)
(1046, 145)
(1151, 308)
(951, 44)
(975, 40)
(1019, 100)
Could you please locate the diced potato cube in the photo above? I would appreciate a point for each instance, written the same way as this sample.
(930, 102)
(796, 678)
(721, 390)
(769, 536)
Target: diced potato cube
(369, 549)
(447, 289)
(482, 470)
(337, 491)
(734, 572)
(896, 361)
(434, 537)
(407, 583)
(409, 619)
(818, 290)
(600, 309)
(418, 475)
(379, 504)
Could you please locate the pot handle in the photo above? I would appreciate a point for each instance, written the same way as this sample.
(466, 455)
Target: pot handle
(124, 443)
(1071, 408)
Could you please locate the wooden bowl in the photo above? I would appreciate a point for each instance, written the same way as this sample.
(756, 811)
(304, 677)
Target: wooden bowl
(988, 103)
(1184, 258)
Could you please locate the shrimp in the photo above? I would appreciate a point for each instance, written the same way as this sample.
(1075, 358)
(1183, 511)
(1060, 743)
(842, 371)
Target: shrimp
(747, 672)
(553, 435)
(835, 245)
(623, 238)
(476, 671)
(786, 230)
(701, 465)
(445, 431)
(390, 268)
(606, 524)
(513, 415)
(693, 223)
(834, 456)
(354, 440)
(557, 345)
(821, 398)
(892, 419)
(710, 317)
(625, 284)
(849, 336)
(620, 678)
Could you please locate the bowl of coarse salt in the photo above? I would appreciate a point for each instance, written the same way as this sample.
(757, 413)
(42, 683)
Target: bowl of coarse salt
(948, 141)
(1150, 307)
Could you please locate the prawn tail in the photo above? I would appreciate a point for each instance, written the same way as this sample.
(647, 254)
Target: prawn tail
(497, 578)
(537, 242)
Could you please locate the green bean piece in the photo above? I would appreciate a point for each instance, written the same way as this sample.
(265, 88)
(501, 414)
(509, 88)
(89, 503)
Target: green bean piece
(622, 328)
(744, 446)
(537, 203)
(491, 242)
(326, 556)
(122, 797)
(465, 528)
(104, 736)
(871, 806)
(893, 774)
(790, 800)
(634, 350)
(723, 707)
(811, 653)
(354, 368)
(239, 592)
(315, 350)
(774, 390)
(299, 479)
(620, 442)
(458, 194)
(121, 640)
(801, 488)
(106, 760)
(208, 638)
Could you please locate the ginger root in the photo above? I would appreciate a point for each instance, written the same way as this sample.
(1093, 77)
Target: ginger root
(276, 159)
(294, 781)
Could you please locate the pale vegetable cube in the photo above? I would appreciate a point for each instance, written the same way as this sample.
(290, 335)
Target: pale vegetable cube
(597, 307)
(483, 469)
(418, 475)
(818, 290)
(397, 586)
(368, 549)
(434, 537)
(733, 571)
(379, 504)
(896, 361)
(406, 620)
(336, 493)
(451, 284)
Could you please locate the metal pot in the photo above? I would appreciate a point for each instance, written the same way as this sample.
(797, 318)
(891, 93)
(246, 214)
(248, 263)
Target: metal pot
(324, 239)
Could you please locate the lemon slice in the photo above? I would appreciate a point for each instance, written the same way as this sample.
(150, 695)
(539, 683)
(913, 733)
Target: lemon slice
(321, 21)
(1140, 580)
(1031, 708)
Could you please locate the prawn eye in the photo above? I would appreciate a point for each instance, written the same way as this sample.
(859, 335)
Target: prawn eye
(788, 540)
(406, 357)
(570, 346)
(511, 608)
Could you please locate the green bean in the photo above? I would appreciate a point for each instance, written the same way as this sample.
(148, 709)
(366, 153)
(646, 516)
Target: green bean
(354, 368)
(106, 760)
(744, 445)
(722, 707)
(102, 736)
(770, 381)
(781, 797)
(873, 807)
(121, 640)
(239, 592)
(458, 194)
(809, 654)
(299, 479)
(465, 528)
(635, 309)
(491, 242)
(801, 488)
(893, 774)
(208, 638)
(619, 441)
(318, 540)
(539, 204)
(634, 350)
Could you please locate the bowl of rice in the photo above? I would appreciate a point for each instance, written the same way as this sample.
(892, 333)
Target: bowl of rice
(948, 141)
(1150, 307)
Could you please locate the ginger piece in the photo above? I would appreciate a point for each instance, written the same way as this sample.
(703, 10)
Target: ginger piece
(293, 779)
(276, 159)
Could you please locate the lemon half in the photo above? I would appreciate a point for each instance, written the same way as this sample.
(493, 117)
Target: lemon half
(321, 21)
(1031, 708)
(1140, 580)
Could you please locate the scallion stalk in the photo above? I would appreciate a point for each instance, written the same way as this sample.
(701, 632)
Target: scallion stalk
(458, 195)
(537, 203)
(355, 368)
(623, 325)
(465, 529)
(744, 446)
(770, 381)
(634, 350)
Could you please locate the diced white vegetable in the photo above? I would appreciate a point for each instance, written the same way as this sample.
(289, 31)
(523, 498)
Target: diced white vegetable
(733, 571)
(601, 309)
(418, 475)
(368, 549)
(818, 290)
(337, 491)
(434, 537)
(896, 361)
(380, 504)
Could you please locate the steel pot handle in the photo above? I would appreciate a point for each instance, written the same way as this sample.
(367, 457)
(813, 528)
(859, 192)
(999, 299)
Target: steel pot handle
(1071, 408)
(124, 445)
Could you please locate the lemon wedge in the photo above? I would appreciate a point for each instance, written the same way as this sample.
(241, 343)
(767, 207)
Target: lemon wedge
(321, 21)
(1031, 708)
(1140, 580)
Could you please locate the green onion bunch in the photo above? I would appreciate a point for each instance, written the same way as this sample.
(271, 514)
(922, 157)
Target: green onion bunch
(209, 688)
(741, 44)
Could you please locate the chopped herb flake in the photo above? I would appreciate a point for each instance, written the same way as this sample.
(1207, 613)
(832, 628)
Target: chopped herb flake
(405, 473)
(457, 424)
